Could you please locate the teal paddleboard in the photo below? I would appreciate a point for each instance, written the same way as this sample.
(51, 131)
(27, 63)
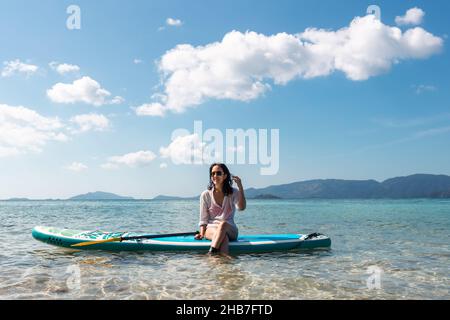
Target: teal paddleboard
(244, 244)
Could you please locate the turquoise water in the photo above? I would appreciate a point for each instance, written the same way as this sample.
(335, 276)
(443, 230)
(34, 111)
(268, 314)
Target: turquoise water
(381, 249)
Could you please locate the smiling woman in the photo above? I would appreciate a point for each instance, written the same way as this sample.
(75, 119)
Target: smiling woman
(217, 207)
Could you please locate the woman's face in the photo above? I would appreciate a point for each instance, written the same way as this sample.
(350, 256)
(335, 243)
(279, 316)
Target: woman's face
(218, 176)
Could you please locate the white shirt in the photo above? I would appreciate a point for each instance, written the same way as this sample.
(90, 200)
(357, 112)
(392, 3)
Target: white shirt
(211, 213)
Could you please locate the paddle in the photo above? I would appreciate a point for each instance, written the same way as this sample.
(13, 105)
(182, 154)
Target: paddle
(120, 239)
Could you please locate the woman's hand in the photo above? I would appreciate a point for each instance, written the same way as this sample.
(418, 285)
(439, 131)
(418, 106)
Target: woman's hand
(199, 236)
(238, 181)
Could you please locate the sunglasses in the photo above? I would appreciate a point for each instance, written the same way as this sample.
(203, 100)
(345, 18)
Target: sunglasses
(217, 173)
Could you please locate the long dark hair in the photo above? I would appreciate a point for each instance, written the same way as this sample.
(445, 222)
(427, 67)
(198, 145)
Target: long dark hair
(227, 184)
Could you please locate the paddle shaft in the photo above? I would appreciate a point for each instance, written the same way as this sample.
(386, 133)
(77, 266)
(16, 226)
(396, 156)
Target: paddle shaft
(120, 239)
(152, 236)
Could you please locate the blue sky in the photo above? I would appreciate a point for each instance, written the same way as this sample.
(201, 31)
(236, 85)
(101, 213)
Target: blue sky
(354, 110)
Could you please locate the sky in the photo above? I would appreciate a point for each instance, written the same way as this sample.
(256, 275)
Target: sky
(110, 95)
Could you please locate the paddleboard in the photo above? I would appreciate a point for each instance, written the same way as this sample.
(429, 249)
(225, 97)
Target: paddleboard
(244, 244)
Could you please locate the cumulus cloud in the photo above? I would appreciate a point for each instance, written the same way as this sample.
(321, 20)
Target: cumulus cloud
(90, 122)
(63, 68)
(23, 130)
(151, 109)
(163, 165)
(185, 149)
(117, 100)
(76, 167)
(14, 67)
(413, 16)
(85, 90)
(136, 159)
(244, 66)
(173, 22)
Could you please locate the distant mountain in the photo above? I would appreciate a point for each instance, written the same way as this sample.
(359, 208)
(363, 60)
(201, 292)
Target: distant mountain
(266, 196)
(331, 188)
(100, 196)
(418, 186)
(18, 199)
(414, 186)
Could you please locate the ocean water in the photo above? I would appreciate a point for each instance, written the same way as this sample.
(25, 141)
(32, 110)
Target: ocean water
(381, 249)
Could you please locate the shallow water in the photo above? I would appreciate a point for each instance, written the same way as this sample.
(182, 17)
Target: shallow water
(381, 249)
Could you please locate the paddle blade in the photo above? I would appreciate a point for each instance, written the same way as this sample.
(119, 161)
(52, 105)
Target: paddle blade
(89, 243)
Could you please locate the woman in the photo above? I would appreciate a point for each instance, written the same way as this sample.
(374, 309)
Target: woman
(217, 207)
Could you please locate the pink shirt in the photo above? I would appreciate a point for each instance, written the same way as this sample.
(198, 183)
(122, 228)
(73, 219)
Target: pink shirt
(212, 213)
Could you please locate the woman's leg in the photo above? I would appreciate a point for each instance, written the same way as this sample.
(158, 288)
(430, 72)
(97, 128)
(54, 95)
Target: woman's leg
(224, 233)
(232, 234)
(224, 247)
(219, 235)
(210, 233)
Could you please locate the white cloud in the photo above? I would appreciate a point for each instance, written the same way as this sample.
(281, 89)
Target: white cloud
(163, 165)
(117, 100)
(136, 159)
(23, 130)
(185, 149)
(76, 167)
(85, 90)
(137, 61)
(90, 122)
(421, 88)
(14, 67)
(109, 166)
(151, 109)
(173, 22)
(413, 16)
(242, 66)
(63, 68)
